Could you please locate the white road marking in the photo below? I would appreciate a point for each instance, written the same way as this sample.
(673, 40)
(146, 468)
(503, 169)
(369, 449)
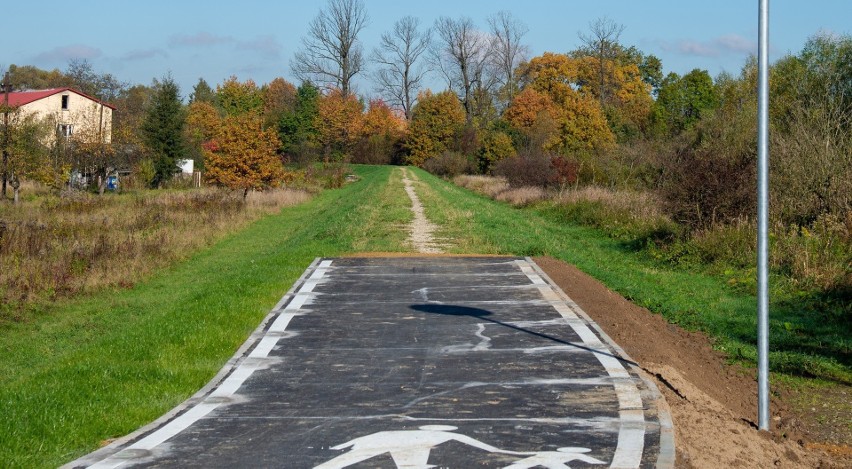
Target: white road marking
(631, 435)
(233, 382)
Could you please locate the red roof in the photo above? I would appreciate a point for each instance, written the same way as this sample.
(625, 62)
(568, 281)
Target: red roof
(20, 98)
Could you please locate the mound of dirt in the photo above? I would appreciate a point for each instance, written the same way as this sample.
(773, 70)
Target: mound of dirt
(713, 404)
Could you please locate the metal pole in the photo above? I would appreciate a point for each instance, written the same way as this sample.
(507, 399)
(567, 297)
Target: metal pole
(763, 218)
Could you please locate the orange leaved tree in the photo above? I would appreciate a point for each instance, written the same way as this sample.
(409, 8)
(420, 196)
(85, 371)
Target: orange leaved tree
(582, 123)
(338, 123)
(242, 155)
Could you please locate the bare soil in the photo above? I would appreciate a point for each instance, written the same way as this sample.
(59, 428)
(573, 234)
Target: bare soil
(713, 403)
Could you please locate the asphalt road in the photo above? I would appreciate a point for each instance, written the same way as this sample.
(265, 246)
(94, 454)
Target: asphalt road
(415, 363)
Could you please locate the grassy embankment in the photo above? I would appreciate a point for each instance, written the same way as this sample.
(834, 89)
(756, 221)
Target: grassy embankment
(802, 343)
(94, 368)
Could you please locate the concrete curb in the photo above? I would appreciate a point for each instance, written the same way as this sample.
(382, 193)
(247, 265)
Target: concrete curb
(666, 458)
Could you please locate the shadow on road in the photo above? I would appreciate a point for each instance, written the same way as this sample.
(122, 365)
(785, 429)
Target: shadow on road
(456, 310)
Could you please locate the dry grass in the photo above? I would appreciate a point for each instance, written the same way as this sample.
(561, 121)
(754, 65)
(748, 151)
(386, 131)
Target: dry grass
(522, 196)
(640, 205)
(486, 185)
(53, 247)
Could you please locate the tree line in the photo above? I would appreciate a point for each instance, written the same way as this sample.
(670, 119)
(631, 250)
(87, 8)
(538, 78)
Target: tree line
(603, 113)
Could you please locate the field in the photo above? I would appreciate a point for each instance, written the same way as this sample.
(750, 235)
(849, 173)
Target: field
(98, 364)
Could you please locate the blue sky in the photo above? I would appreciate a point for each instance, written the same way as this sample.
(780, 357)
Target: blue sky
(214, 39)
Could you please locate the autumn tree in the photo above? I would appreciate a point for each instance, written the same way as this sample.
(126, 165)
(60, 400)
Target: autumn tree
(382, 131)
(496, 146)
(579, 117)
(461, 54)
(25, 149)
(234, 97)
(628, 107)
(507, 52)
(279, 97)
(338, 123)
(601, 42)
(163, 129)
(33, 78)
(242, 155)
(535, 115)
(92, 152)
(81, 75)
(202, 123)
(331, 52)
(400, 76)
(437, 119)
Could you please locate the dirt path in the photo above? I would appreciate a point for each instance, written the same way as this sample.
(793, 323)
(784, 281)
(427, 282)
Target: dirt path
(713, 404)
(421, 228)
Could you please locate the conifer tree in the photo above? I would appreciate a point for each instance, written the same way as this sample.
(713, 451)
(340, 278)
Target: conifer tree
(163, 130)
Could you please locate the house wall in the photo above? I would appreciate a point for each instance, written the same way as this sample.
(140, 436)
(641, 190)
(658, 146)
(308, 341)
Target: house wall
(83, 113)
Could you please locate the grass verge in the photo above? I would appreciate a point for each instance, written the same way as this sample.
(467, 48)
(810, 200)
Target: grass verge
(96, 368)
(801, 344)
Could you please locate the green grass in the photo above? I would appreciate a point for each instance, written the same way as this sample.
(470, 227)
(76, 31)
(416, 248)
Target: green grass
(803, 342)
(88, 370)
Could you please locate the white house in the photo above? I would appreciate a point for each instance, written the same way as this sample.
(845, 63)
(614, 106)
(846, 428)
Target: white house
(73, 111)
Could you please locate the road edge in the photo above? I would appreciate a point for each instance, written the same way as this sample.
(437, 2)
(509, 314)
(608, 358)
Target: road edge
(232, 364)
(666, 456)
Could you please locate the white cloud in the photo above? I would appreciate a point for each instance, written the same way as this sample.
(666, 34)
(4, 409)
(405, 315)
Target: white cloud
(144, 54)
(728, 44)
(736, 43)
(266, 46)
(66, 53)
(200, 39)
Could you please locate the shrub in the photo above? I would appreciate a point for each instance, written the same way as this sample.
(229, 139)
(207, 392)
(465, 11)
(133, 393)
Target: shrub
(526, 170)
(711, 178)
(496, 146)
(448, 164)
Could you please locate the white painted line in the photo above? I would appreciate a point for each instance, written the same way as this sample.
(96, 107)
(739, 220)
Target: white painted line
(264, 347)
(631, 434)
(281, 322)
(165, 432)
(628, 454)
(233, 382)
(175, 426)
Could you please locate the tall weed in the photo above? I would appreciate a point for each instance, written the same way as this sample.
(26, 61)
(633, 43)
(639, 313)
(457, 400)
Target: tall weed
(58, 247)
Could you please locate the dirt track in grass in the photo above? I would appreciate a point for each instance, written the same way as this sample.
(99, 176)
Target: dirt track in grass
(713, 404)
(421, 229)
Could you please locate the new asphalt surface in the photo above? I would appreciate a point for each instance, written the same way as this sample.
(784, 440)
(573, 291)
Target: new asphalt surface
(415, 363)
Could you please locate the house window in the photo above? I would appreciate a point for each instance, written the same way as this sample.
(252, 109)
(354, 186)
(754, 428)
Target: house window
(65, 102)
(66, 130)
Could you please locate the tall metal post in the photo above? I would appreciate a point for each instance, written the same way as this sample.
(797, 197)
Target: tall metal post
(763, 218)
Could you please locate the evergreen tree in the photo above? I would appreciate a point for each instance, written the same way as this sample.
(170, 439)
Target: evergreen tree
(202, 92)
(297, 129)
(163, 130)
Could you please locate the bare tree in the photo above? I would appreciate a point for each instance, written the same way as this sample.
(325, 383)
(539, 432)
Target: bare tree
(399, 79)
(602, 43)
(331, 53)
(461, 55)
(507, 50)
